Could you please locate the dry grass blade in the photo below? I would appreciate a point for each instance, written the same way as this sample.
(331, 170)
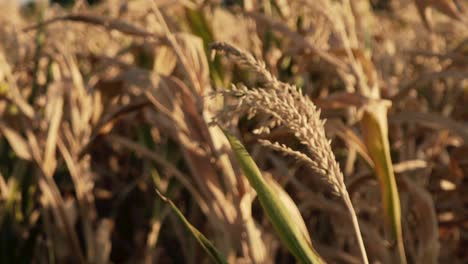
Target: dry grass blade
(207, 245)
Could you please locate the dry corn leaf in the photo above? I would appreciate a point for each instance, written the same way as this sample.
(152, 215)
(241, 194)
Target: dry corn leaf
(165, 60)
(256, 247)
(85, 199)
(193, 62)
(54, 110)
(238, 186)
(191, 131)
(195, 58)
(80, 99)
(16, 141)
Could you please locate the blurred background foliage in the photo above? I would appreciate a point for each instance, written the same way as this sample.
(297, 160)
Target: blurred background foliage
(102, 102)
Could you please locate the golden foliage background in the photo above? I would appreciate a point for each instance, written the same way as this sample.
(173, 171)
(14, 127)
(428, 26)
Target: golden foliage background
(102, 103)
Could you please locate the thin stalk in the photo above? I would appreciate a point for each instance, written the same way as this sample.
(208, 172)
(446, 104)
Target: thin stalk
(357, 229)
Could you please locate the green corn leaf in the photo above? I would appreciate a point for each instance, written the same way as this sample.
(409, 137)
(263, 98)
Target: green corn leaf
(375, 133)
(285, 225)
(206, 244)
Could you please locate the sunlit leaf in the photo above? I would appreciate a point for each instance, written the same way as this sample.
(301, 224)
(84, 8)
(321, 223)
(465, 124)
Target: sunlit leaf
(375, 133)
(284, 223)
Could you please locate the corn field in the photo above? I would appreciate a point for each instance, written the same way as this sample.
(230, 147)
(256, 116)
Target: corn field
(234, 131)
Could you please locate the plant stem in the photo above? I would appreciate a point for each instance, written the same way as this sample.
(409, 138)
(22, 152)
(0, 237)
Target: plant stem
(354, 219)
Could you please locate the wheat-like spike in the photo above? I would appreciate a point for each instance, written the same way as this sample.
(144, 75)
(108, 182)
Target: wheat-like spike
(297, 113)
(300, 157)
(247, 61)
(294, 153)
(264, 126)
